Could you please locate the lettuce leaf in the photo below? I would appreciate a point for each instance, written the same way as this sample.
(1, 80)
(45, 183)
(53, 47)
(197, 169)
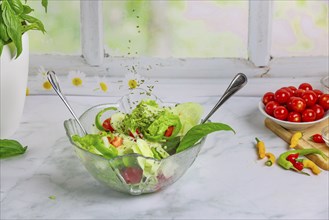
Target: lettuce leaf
(94, 144)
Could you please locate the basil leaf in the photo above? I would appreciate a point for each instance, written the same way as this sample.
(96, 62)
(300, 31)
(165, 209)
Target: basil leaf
(44, 3)
(199, 131)
(3, 30)
(171, 145)
(36, 24)
(27, 9)
(15, 21)
(17, 6)
(1, 45)
(9, 148)
(13, 26)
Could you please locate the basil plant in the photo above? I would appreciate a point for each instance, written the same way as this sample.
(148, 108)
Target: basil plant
(15, 21)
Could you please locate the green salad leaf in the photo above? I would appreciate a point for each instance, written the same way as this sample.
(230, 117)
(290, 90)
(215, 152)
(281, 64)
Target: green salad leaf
(94, 144)
(199, 131)
(9, 148)
(157, 129)
(143, 115)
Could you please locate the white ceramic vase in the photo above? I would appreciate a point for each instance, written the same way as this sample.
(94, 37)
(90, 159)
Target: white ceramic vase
(13, 79)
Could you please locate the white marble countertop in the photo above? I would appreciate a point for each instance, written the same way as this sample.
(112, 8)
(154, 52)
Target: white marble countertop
(226, 181)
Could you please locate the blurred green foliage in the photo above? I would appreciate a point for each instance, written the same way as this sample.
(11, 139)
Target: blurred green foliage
(173, 28)
(308, 28)
(62, 24)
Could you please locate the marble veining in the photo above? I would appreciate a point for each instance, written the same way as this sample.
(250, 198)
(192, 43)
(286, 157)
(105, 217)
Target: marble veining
(226, 181)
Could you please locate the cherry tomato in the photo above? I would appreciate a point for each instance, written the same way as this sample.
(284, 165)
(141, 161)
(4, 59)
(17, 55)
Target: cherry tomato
(297, 104)
(270, 106)
(281, 96)
(292, 157)
(269, 96)
(293, 89)
(308, 115)
(310, 98)
(324, 101)
(107, 125)
(305, 86)
(289, 104)
(298, 165)
(294, 117)
(299, 92)
(280, 113)
(317, 138)
(318, 92)
(319, 111)
(291, 92)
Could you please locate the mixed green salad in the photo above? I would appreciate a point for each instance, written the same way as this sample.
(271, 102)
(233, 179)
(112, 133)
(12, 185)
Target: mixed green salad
(150, 130)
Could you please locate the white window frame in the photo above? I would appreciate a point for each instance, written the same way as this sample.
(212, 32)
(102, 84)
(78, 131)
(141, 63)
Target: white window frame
(259, 63)
(91, 17)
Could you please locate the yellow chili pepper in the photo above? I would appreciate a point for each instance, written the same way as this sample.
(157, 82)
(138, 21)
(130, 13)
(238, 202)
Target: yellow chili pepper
(271, 159)
(261, 148)
(295, 139)
(309, 164)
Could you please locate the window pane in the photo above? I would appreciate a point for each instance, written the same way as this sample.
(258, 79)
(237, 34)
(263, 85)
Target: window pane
(300, 28)
(176, 28)
(62, 23)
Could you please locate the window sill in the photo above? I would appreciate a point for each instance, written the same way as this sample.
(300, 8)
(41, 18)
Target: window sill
(197, 77)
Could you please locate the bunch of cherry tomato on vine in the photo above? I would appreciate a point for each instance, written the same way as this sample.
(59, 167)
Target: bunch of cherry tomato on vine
(301, 104)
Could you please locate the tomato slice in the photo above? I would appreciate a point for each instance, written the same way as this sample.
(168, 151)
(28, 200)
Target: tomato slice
(117, 141)
(132, 175)
(107, 125)
(136, 134)
(139, 133)
(131, 134)
(169, 131)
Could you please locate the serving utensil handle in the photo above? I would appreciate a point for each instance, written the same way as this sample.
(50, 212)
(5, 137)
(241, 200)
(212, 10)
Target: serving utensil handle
(53, 80)
(239, 81)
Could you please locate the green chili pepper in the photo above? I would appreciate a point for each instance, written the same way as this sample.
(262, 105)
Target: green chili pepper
(98, 122)
(9, 148)
(283, 162)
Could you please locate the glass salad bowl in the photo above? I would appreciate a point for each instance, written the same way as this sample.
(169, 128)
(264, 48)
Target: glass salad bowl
(131, 173)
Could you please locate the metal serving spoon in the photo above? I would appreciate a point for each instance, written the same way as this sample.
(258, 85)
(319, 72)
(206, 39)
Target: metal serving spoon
(53, 80)
(239, 81)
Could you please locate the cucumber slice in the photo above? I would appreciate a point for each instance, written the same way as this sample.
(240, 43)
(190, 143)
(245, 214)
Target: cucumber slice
(144, 148)
(162, 152)
(117, 120)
